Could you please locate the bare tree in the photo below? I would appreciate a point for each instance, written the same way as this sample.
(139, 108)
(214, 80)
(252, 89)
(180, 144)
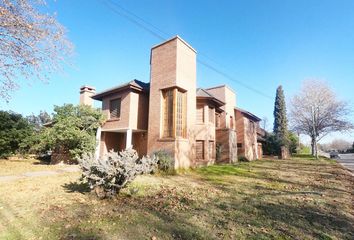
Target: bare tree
(32, 44)
(316, 112)
(264, 123)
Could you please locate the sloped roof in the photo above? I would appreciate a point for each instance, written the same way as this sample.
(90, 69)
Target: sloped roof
(251, 115)
(134, 84)
(202, 93)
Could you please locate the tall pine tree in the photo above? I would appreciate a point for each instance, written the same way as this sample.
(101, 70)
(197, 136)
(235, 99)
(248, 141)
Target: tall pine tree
(280, 128)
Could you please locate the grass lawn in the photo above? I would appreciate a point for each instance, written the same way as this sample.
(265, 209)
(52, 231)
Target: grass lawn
(20, 166)
(267, 199)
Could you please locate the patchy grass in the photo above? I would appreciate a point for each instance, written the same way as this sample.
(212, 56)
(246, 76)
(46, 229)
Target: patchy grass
(20, 166)
(268, 199)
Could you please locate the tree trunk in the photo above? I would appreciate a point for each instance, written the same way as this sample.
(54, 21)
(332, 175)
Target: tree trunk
(314, 150)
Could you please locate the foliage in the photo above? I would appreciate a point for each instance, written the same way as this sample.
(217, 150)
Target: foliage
(165, 161)
(32, 44)
(108, 175)
(293, 142)
(243, 159)
(280, 128)
(219, 150)
(39, 120)
(14, 131)
(73, 128)
(316, 112)
(271, 145)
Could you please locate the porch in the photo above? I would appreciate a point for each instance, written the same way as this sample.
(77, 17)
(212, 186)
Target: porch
(120, 139)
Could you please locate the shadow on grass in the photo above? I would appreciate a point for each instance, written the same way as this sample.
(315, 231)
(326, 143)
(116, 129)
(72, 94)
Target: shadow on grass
(222, 170)
(313, 221)
(77, 187)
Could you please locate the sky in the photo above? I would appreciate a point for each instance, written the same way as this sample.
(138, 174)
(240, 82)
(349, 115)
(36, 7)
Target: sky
(262, 44)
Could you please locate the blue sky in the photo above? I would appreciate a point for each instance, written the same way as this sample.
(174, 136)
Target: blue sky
(260, 43)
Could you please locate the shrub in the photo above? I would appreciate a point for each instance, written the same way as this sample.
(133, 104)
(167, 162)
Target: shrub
(243, 159)
(219, 151)
(108, 175)
(165, 161)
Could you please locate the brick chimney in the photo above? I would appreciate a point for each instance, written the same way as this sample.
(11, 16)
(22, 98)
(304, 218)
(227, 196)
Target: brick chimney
(86, 92)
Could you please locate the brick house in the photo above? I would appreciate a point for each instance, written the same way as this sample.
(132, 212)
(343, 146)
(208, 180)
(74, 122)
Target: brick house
(196, 126)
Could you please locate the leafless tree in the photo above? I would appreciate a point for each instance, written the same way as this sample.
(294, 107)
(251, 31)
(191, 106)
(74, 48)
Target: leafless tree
(264, 123)
(316, 112)
(32, 44)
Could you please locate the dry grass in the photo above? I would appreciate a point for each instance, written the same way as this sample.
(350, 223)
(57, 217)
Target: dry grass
(20, 166)
(268, 199)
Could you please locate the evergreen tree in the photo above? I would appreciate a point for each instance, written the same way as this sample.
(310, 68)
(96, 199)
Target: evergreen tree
(280, 120)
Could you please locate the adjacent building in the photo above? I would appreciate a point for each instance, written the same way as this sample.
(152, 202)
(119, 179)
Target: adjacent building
(196, 126)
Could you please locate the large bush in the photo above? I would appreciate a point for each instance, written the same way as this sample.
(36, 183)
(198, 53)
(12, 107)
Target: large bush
(73, 129)
(108, 175)
(15, 131)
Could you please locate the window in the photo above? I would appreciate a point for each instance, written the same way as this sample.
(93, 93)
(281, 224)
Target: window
(217, 119)
(239, 145)
(114, 108)
(174, 113)
(199, 149)
(251, 127)
(211, 115)
(211, 149)
(200, 114)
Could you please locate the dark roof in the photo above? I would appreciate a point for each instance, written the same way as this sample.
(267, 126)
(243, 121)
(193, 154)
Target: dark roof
(203, 94)
(251, 115)
(134, 84)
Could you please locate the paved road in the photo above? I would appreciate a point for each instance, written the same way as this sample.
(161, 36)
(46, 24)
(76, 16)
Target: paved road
(347, 160)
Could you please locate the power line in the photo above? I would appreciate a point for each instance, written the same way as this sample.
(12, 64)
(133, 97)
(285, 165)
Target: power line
(130, 16)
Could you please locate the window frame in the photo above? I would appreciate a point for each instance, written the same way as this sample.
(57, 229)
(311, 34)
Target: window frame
(174, 113)
(119, 99)
(198, 157)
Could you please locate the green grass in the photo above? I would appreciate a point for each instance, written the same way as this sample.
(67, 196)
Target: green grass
(267, 199)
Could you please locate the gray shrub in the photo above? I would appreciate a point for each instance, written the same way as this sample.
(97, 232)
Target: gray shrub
(109, 174)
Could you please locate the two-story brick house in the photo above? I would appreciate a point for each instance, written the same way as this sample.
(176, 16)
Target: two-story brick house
(196, 126)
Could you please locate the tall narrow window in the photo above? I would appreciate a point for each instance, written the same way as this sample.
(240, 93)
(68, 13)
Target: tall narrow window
(217, 119)
(181, 115)
(175, 113)
(168, 113)
(211, 115)
(200, 114)
(114, 108)
(199, 149)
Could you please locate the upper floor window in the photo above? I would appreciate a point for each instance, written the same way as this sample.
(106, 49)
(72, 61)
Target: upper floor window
(217, 119)
(211, 115)
(114, 108)
(174, 113)
(252, 128)
(200, 114)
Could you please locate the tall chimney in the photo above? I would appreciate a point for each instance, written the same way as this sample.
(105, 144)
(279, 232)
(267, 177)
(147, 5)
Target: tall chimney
(86, 92)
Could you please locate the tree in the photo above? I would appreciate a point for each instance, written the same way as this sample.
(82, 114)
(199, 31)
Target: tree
(316, 112)
(14, 130)
(264, 123)
(280, 120)
(293, 142)
(39, 120)
(32, 44)
(73, 129)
